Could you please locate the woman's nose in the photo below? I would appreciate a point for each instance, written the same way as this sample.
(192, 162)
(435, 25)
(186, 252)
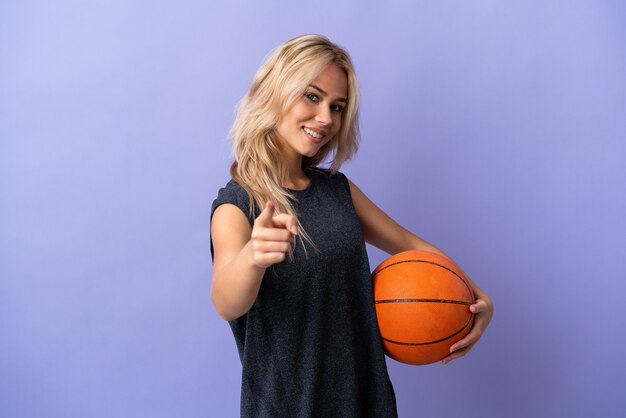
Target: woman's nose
(324, 117)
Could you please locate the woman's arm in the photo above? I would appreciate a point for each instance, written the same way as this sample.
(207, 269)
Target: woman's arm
(380, 230)
(241, 254)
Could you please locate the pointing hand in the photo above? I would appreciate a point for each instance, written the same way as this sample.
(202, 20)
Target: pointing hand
(271, 236)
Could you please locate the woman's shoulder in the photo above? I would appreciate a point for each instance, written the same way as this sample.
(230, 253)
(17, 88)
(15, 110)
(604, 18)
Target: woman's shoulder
(234, 194)
(231, 189)
(327, 173)
(331, 178)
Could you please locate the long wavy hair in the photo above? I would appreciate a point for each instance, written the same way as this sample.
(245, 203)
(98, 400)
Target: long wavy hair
(281, 80)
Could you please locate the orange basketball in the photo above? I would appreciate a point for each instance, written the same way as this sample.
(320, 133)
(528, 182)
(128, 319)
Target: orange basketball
(422, 304)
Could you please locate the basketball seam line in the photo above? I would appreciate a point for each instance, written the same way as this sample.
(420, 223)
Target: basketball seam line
(427, 262)
(456, 302)
(429, 342)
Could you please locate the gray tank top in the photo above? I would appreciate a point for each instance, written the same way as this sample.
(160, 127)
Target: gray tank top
(310, 344)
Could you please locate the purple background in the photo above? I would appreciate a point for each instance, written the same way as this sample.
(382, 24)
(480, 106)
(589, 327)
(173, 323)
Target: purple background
(493, 129)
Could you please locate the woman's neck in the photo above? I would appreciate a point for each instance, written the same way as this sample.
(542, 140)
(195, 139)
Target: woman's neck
(296, 178)
(299, 181)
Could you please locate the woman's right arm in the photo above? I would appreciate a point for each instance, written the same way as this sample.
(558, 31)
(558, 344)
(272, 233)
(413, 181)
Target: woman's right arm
(241, 254)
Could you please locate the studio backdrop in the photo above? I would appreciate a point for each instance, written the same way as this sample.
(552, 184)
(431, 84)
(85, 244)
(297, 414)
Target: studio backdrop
(494, 130)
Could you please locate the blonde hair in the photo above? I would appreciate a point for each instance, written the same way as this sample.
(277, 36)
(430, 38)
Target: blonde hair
(280, 81)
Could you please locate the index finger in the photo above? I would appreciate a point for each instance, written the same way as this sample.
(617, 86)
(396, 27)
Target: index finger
(265, 217)
(479, 306)
(289, 222)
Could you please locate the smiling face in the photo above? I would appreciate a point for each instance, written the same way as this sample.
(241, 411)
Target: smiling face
(315, 118)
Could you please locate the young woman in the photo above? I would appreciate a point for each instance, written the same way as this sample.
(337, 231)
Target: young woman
(290, 269)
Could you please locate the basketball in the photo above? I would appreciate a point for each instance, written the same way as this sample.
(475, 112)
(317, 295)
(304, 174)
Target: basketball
(422, 304)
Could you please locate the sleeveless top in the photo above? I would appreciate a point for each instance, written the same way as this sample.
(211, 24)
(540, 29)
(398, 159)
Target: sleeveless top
(310, 345)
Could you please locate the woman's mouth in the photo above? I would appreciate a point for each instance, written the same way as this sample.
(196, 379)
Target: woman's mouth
(314, 135)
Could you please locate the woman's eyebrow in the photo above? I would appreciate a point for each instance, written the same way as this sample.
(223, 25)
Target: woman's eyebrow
(341, 99)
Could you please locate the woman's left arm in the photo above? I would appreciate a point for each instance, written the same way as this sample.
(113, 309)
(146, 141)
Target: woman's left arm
(380, 230)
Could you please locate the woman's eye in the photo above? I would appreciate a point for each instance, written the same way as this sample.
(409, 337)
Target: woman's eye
(316, 99)
(312, 97)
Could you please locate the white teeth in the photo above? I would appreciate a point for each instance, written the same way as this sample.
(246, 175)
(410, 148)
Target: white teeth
(313, 134)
